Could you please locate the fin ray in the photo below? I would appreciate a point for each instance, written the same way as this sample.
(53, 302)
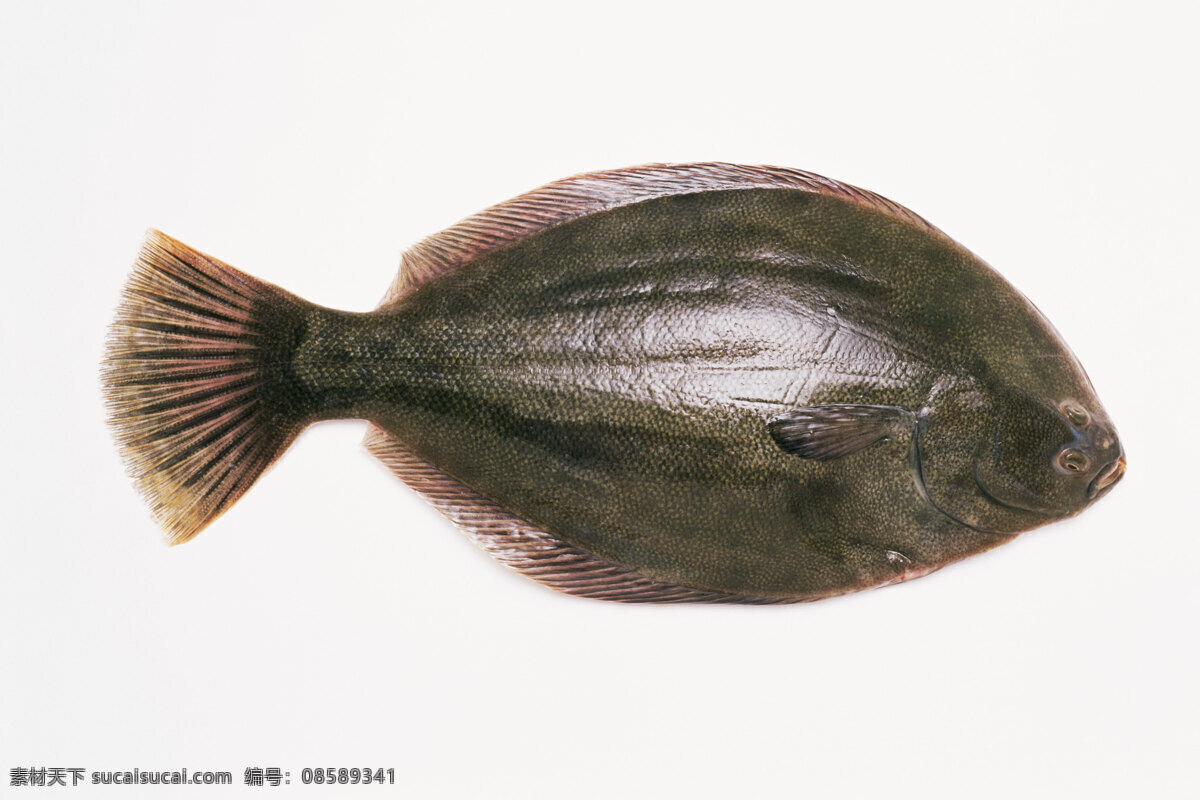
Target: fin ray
(183, 378)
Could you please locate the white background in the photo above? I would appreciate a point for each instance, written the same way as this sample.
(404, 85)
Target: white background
(331, 619)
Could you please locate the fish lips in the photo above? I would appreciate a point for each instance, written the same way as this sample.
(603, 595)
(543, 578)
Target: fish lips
(1106, 478)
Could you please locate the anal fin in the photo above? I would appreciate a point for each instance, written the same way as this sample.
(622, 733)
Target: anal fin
(524, 547)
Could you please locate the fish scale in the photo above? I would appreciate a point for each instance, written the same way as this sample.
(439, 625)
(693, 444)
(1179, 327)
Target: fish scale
(673, 383)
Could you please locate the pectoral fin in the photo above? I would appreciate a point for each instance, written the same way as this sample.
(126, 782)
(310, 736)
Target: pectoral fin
(827, 432)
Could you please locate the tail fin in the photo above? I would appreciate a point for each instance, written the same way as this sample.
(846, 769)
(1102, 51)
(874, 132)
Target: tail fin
(195, 375)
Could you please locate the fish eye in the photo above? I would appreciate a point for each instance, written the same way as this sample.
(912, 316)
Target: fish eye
(1076, 415)
(1070, 460)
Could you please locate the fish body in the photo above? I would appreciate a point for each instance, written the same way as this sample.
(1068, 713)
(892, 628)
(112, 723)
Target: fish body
(672, 383)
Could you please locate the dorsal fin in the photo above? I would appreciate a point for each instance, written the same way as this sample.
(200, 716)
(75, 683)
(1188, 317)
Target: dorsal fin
(526, 548)
(580, 195)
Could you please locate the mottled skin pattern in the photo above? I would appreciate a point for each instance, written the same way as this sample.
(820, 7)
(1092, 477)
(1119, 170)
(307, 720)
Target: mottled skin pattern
(612, 380)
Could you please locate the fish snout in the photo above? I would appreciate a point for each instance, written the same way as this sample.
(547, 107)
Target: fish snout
(1106, 478)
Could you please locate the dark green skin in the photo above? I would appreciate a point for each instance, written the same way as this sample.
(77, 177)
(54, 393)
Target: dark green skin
(612, 380)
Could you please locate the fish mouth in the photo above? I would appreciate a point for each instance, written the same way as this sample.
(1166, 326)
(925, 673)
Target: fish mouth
(1106, 478)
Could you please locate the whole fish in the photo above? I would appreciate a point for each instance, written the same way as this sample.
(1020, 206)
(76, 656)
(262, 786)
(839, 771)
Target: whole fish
(671, 383)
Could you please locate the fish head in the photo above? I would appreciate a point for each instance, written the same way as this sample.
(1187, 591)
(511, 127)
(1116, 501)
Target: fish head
(1005, 461)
